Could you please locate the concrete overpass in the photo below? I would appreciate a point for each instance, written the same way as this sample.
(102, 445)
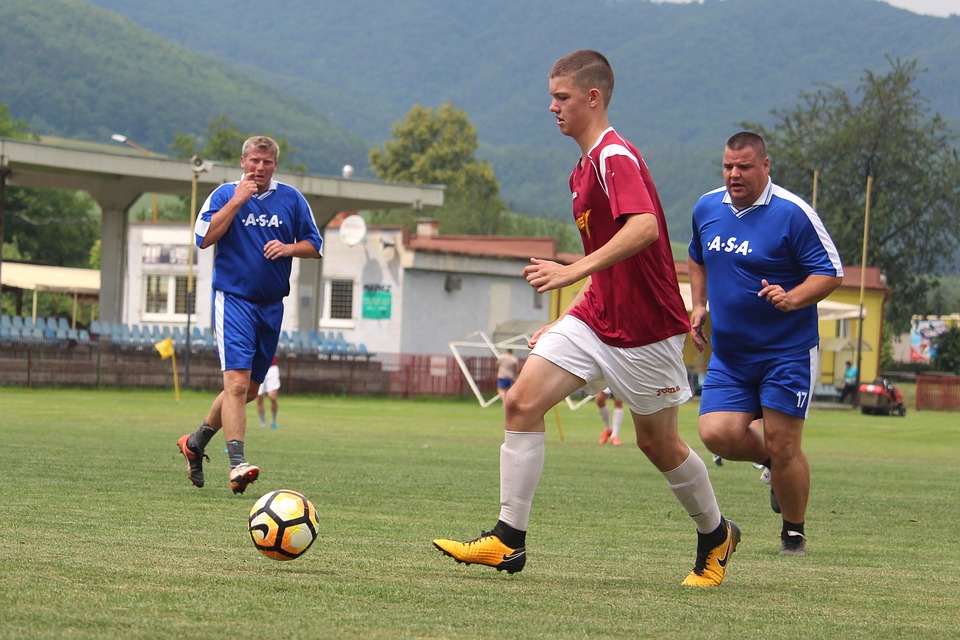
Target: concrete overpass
(117, 179)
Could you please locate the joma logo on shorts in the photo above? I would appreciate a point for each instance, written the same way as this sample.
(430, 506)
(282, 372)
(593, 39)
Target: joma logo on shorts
(660, 392)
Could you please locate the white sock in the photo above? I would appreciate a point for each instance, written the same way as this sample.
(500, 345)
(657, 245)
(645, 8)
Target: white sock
(691, 484)
(605, 416)
(521, 463)
(617, 421)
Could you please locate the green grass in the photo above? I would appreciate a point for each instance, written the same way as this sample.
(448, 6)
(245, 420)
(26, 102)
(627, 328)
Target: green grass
(103, 536)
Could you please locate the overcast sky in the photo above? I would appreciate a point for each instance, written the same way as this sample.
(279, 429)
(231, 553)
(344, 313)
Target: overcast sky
(942, 8)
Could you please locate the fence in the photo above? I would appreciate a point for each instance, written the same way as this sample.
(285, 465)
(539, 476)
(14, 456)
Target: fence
(938, 393)
(103, 363)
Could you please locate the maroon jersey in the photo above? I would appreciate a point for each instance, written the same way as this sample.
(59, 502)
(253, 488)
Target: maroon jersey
(636, 301)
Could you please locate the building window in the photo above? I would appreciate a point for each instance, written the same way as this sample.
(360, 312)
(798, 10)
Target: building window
(338, 300)
(156, 294)
(165, 297)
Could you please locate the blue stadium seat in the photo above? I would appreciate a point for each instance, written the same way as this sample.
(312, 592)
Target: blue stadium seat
(17, 322)
(63, 324)
(83, 336)
(5, 321)
(95, 328)
(5, 332)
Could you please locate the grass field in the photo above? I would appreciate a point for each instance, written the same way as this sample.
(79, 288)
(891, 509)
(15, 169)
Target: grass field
(104, 537)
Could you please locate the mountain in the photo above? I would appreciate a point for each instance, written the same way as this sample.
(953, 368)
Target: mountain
(686, 74)
(72, 69)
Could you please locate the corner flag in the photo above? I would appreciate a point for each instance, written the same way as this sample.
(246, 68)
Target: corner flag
(166, 350)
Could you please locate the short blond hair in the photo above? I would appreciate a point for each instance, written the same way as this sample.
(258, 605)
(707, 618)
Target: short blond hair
(260, 143)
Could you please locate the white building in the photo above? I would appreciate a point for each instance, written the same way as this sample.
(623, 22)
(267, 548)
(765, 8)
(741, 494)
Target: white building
(393, 291)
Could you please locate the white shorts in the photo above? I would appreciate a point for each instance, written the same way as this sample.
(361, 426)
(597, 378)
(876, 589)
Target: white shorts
(272, 381)
(647, 379)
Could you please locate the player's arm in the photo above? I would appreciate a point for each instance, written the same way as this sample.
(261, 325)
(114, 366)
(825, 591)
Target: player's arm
(301, 249)
(637, 232)
(698, 294)
(811, 291)
(220, 220)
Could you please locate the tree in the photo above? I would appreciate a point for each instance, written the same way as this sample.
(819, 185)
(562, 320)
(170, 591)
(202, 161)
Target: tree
(436, 146)
(947, 357)
(47, 226)
(915, 169)
(223, 141)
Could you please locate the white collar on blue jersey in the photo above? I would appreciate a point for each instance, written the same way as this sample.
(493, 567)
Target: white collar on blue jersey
(270, 189)
(764, 199)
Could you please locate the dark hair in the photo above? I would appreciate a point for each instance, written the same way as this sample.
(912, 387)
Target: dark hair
(738, 141)
(588, 69)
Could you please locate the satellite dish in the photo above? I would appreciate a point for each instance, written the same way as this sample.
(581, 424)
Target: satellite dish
(353, 230)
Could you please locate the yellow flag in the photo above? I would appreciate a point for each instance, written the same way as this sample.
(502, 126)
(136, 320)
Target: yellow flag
(165, 347)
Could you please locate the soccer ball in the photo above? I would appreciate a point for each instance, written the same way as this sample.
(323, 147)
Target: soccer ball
(283, 524)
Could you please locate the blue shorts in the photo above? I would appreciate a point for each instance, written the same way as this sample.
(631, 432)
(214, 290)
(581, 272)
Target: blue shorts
(504, 383)
(247, 333)
(784, 384)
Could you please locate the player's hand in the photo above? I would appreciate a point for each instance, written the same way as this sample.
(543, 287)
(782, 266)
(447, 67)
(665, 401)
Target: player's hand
(546, 275)
(776, 295)
(276, 249)
(532, 342)
(246, 188)
(697, 320)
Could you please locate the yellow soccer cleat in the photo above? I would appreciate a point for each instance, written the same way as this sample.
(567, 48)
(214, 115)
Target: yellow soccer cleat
(488, 550)
(710, 566)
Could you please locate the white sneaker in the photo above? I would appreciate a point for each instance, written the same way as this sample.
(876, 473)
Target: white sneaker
(765, 476)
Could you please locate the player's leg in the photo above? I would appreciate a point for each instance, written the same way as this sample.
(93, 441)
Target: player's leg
(789, 477)
(785, 393)
(729, 402)
(616, 421)
(604, 411)
(686, 475)
(261, 410)
(274, 407)
(540, 386)
(652, 381)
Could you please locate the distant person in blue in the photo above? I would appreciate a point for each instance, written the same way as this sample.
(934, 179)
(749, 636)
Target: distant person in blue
(258, 226)
(763, 259)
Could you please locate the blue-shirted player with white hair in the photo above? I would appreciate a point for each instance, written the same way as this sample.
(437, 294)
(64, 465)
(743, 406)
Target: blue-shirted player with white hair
(258, 226)
(763, 259)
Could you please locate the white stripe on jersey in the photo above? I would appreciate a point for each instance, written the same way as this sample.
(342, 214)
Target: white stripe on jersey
(817, 223)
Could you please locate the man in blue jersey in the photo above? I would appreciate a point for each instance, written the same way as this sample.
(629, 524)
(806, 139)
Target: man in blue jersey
(258, 226)
(763, 259)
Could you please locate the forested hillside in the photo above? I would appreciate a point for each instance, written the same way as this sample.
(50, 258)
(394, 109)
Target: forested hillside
(72, 69)
(686, 74)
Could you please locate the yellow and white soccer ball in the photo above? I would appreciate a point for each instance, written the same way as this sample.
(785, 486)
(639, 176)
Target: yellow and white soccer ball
(283, 524)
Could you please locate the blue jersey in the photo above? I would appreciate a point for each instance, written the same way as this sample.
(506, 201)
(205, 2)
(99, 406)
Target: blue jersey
(239, 267)
(780, 239)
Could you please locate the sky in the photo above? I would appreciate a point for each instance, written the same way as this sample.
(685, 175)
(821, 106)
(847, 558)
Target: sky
(941, 8)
